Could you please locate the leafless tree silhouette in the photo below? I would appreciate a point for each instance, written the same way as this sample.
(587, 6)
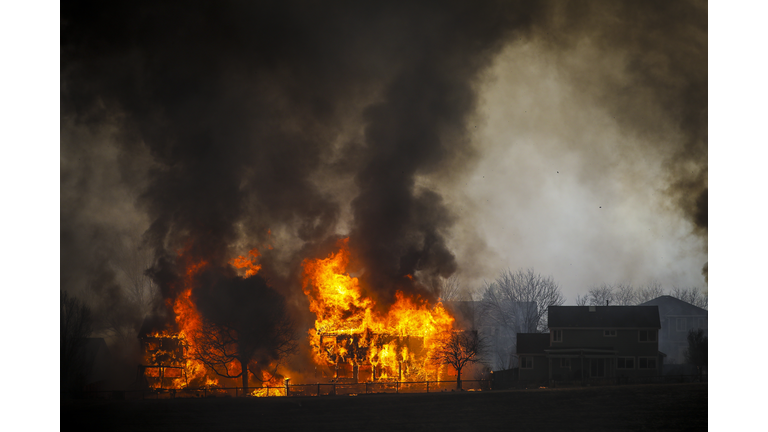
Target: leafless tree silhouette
(460, 349)
(517, 302)
(690, 295)
(254, 334)
(76, 323)
(696, 354)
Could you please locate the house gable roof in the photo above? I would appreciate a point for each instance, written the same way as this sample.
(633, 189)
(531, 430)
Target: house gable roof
(669, 305)
(604, 317)
(532, 343)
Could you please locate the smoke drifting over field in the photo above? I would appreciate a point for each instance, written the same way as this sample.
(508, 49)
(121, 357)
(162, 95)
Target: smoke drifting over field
(214, 128)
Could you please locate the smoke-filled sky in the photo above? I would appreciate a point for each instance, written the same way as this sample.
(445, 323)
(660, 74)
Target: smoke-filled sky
(443, 137)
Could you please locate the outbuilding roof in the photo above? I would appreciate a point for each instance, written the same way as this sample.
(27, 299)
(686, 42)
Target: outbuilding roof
(604, 317)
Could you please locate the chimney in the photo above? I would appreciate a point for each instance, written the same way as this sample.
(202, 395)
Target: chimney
(606, 302)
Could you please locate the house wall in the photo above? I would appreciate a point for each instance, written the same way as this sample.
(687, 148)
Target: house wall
(626, 342)
(674, 342)
(540, 371)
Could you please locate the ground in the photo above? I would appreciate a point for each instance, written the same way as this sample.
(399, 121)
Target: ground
(649, 407)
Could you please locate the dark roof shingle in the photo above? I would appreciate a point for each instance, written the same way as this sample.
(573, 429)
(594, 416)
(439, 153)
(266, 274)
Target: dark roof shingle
(604, 316)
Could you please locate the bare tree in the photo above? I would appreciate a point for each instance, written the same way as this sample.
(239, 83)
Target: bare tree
(624, 295)
(450, 289)
(250, 329)
(690, 295)
(524, 297)
(649, 292)
(600, 295)
(696, 354)
(460, 349)
(582, 300)
(132, 260)
(517, 303)
(75, 326)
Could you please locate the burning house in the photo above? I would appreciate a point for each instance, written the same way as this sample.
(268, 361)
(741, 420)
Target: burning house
(352, 341)
(163, 359)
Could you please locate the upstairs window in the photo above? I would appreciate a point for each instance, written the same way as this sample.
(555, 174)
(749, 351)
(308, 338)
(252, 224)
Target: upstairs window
(557, 335)
(609, 333)
(647, 335)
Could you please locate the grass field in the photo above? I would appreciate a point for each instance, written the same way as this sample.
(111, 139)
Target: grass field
(652, 407)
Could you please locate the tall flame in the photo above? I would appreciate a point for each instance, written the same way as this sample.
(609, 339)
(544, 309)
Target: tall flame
(396, 345)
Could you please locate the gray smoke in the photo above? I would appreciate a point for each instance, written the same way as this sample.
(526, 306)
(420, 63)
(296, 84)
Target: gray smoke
(217, 127)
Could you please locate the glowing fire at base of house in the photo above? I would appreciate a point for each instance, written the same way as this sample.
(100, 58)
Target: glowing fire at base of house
(169, 357)
(351, 341)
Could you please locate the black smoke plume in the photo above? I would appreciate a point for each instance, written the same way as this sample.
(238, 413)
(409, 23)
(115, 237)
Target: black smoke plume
(228, 124)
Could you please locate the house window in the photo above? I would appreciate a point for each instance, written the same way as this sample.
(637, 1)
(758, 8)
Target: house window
(681, 324)
(597, 368)
(625, 363)
(609, 333)
(646, 363)
(565, 363)
(647, 335)
(526, 362)
(557, 335)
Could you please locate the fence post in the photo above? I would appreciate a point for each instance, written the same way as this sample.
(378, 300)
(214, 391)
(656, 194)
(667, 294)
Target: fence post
(366, 388)
(397, 387)
(427, 386)
(318, 389)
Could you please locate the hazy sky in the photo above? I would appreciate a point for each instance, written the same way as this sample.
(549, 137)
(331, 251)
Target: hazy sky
(561, 186)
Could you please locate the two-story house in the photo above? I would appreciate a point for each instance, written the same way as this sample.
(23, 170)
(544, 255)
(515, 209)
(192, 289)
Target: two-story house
(593, 342)
(677, 318)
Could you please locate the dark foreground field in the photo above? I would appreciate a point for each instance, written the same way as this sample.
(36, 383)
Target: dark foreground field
(630, 407)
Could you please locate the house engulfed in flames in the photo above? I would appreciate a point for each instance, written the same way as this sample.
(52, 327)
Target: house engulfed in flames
(163, 360)
(352, 342)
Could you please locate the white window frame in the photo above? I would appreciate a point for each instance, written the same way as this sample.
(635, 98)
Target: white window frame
(609, 333)
(625, 359)
(555, 334)
(523, 360)
(648, 334)
(678, 326)
(565, 363)
(655, 363)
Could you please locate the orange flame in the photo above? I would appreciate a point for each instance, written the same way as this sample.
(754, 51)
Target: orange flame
(249, 264)
(176, 367)
(397, 345)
